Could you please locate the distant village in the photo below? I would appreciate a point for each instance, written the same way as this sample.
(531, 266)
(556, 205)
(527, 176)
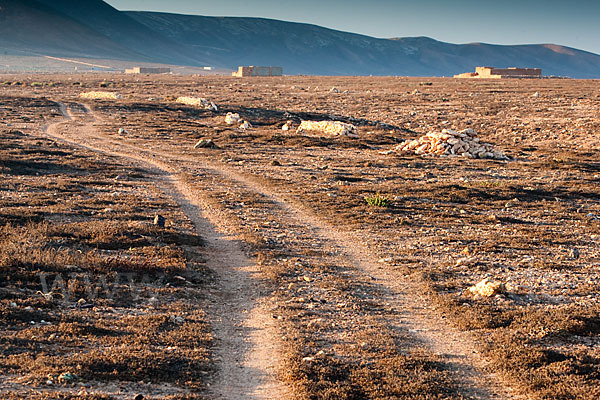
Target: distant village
(502, 73)
(243, 71)
(263, 71)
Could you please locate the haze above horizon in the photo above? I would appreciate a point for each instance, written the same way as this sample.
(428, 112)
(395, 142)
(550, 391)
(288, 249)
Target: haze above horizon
(573, 24)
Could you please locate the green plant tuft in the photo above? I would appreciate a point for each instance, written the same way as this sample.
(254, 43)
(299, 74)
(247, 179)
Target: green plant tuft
(378, 200)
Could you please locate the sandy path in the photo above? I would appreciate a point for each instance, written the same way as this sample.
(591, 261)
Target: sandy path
(246, 353)
(457, 349)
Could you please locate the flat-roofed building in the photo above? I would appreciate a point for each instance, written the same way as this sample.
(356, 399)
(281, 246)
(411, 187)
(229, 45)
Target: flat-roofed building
(502, 73)
(258, 71)
(148, 70)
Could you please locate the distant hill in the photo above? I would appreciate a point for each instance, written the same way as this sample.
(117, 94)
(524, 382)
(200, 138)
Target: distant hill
(28, 27)
(93, 29)
(122, 29)
(310, 49)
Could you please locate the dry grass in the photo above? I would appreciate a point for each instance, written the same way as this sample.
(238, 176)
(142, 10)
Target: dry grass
(447, 209)
(532, 222)
(87, 284)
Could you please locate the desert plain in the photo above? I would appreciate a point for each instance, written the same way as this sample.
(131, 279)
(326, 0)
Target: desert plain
(294, 264)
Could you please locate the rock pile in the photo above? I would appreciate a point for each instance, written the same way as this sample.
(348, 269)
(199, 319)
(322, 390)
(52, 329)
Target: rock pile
(197, 102)
(451, 143)
(100, 95)
(335, 128)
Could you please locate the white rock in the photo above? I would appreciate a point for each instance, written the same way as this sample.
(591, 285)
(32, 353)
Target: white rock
(197, 101)
(487, 288)
(232, 118)
(95, 95)
(335, 128)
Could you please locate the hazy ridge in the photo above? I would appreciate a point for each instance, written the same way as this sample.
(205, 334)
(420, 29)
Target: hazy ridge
(94, 29)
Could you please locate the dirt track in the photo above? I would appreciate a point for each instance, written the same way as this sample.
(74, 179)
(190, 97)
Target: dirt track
(246, 348)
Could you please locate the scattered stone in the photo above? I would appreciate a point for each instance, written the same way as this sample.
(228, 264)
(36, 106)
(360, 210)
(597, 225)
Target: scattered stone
(159, 221)
(48, 296)
(574, 254)
(205, 144)
(387, 152)
(334, 90)
(536, 94)
(95, 95)
(123, 132)
(335, 128)
(197, 101)
(138, 397)
(465, 261)
(67, 377)
(232, 118)
(245, 125)
(288, 125)
(487, 288)
(511, 203)
(464, 143)
(275, 163)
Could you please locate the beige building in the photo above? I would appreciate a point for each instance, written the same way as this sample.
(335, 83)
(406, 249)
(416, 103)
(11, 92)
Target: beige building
(258, 71)
(148, 70)
(501, 73)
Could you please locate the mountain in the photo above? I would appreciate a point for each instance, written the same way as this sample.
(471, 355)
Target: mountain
(122, 29)
(31, 28)
(93, 29)
(310, 49)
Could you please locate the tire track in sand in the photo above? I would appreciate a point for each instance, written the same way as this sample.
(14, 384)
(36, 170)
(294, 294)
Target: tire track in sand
(246, 354)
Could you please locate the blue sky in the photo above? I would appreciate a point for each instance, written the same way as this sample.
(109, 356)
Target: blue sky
(574, 23)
